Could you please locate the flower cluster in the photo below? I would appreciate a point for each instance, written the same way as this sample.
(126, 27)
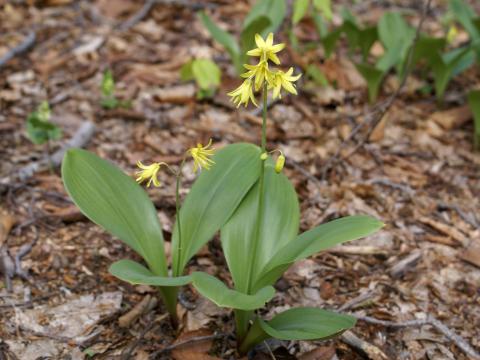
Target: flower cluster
(259, 74)
(201, 160)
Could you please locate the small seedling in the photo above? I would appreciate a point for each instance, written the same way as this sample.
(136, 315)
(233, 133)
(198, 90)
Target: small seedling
(40, 130)
(206, 74)
(109, 100)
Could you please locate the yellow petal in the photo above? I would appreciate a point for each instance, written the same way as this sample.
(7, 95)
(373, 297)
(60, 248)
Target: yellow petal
(259, 41)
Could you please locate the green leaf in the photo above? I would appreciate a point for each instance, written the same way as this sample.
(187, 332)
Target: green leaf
(307, 324)
(206, 73)
(224, 38)
(320, 25)
(108, 84)
(325, 7)
(300, 8)
(39, 128)
(316, 75)
(465, 15)
(297, 324)
(330, 40)
(446, 66)
(396, 36)
(135, 273)
(474, 103)
(315, 240)
(374, 78)
(425, 47)
(186, 72)
(275, 10)
(216, 291)
(116, 202)
(248, 249)
(247, 38)
(213, 198)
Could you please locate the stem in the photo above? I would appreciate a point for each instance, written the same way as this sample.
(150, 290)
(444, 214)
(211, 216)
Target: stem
(242, 321)
(177, 270)
(254, 336)
(242, 318)
(169, 296)
(264, 118)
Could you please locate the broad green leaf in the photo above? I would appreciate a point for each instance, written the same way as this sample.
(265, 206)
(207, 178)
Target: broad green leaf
(135, 273)
(113, 200)
(465, 15)
(446, 66)
(206, 73)
(315, 240)
(216, 291)
(224, 38)
(329, 41)
(186, 72)
(307, 324)
(213, 198)
(362, 39)
(374, 78)
(248, 245)
(316, 75)
(247, 38)
(427, 46)
(320, 25)
(474, 103)
(325, 7)
(299, 10)
(275, 10)
(396, 36)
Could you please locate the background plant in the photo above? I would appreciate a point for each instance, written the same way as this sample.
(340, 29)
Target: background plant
(265, 16)
(205, 72)
(40, 130)
(109, 100)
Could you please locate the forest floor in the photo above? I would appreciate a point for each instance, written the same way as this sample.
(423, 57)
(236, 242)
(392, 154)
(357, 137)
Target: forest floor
(418, 173)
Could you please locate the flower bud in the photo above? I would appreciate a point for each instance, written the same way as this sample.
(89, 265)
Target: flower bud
(264, 156)
(280, 163)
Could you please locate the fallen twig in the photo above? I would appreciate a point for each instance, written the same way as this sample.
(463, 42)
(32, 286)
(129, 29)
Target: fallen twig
(371, 120)
(20, 49)
(147, 7)
(370, 350)
(430, 320)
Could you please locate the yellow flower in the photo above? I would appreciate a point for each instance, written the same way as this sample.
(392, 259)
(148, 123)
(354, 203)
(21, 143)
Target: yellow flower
(284, 80)
(265, 49)
(452, 34)
(259, 72)
(148, 172)
(200, 155)
(243, 94)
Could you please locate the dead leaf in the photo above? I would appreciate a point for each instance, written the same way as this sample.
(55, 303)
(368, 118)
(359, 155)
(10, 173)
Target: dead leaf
(6, 223)
(320, 353)
(195, 350)
(453, 118)
(472, 253)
